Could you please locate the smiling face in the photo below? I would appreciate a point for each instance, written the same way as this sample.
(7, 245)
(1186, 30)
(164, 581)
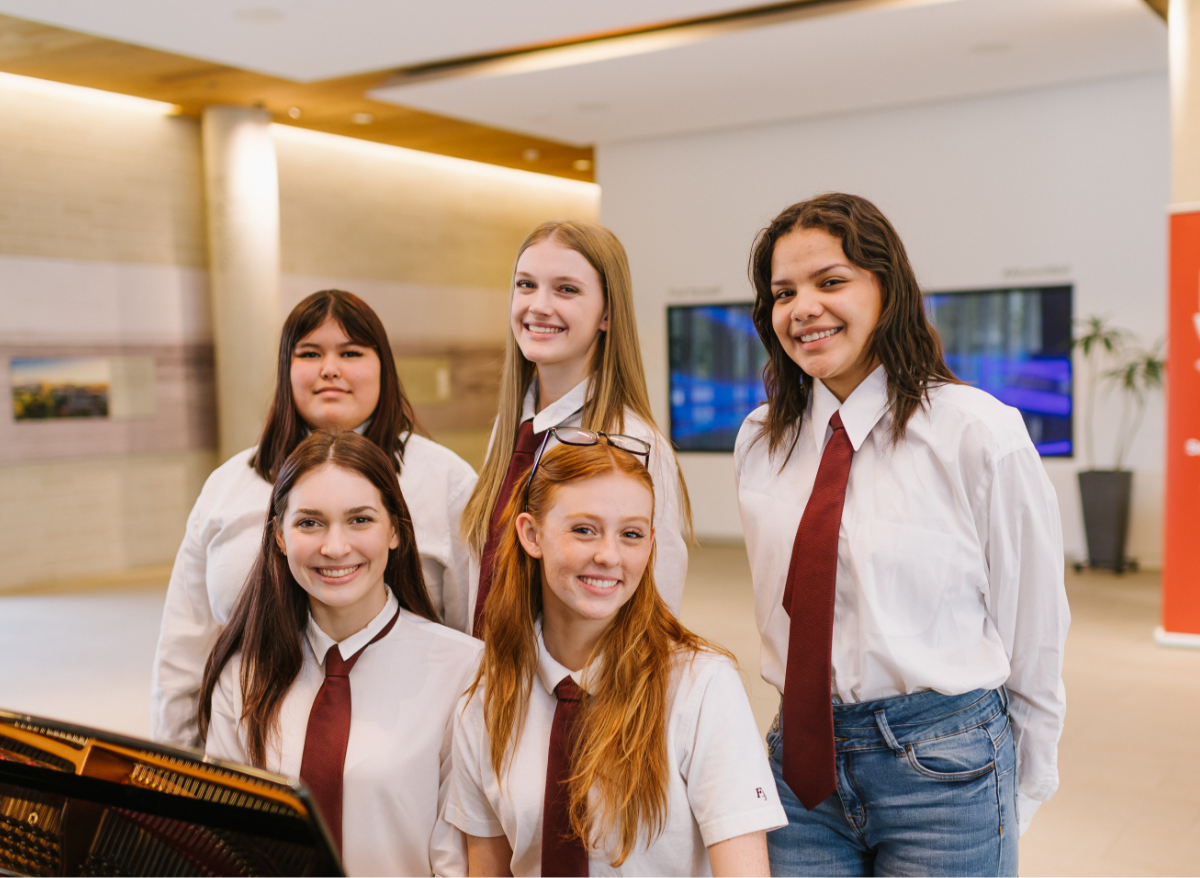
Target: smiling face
(335, 383)
(558, 308)
(594, 544)
(825, 309)
(336, 534)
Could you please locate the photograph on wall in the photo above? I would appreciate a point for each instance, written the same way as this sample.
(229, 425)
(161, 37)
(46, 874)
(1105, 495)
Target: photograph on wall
(1016, 345)
(716, 360)
(45, 388)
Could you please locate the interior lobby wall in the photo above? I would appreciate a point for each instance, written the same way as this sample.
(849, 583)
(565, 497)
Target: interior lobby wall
(1063, 185)
(103, 254)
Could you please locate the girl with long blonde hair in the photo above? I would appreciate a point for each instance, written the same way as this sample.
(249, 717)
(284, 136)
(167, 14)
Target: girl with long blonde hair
(573, 360)
(600, 735)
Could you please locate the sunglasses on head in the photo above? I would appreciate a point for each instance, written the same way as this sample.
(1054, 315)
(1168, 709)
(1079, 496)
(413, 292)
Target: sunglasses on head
(579, 436)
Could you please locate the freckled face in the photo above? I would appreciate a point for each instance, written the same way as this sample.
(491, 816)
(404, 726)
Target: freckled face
(335, 382)
(594, 545)
(336, 534)
(558, 309)
(825, 309)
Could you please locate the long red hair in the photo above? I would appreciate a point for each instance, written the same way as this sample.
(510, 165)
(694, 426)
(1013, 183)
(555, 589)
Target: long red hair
(621, 731)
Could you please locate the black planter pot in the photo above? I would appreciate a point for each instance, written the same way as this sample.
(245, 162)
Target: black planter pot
(1106, 495)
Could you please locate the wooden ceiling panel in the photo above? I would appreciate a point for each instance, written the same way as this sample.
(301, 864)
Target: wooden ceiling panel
(46, 52)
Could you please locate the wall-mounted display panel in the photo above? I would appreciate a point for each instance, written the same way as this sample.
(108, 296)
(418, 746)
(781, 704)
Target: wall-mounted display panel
(1016, 345)
(716, 363)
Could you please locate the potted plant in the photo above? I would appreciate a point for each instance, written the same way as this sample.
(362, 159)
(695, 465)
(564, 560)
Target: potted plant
(1106, 493)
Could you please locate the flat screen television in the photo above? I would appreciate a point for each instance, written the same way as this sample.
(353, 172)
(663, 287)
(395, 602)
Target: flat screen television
(1016, 345)
(716, 363)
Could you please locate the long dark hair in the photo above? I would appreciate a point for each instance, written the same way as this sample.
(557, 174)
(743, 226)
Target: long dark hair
(903, 339)
(393, 418)
(270, 617)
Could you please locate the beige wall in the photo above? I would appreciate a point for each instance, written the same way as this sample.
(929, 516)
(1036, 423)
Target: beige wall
(103, 252)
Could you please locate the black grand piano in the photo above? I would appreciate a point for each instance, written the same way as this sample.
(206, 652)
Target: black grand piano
(79, 801)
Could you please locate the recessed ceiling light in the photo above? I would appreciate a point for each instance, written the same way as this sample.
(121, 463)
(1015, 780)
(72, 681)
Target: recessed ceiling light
(581, 165)
(260, 15)
(362, 118)
(294, 112)
(531, 155)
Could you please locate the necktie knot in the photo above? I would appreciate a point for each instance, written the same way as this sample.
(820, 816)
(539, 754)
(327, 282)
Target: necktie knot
(567, 690)
(335, 665)
(836, 421)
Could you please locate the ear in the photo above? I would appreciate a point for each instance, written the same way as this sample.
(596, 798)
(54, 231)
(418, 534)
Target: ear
(604, 321)
(279, 540)
(394, 542)
(528, 536)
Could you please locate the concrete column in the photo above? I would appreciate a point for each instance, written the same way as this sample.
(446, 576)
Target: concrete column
(1181, 531)
(242, 184)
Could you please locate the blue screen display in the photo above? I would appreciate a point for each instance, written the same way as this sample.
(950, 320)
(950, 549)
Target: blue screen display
(1016, 345)
(716, 362)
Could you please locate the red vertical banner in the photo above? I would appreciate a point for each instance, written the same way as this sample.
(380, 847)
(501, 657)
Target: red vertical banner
(1181, 536)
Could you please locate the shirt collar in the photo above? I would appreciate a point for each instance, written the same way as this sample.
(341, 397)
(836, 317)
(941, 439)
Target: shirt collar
(860, 412)
(320, 641)
(555, 414)
(549, 671)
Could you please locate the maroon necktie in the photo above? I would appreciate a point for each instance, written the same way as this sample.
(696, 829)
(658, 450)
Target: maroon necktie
(808, 749)
(520, 462)
(563, 852)
(328, 733)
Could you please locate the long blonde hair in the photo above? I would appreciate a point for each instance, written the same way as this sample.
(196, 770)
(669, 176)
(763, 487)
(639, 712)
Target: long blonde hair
(618, 379)
(621, 730)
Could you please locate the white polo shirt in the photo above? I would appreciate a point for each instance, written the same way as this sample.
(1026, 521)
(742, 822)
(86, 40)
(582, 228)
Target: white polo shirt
(224, 537)
(670, 544)
(719, 785)
(403, 692)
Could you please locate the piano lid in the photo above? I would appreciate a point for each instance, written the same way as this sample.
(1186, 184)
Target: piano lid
(80, 801)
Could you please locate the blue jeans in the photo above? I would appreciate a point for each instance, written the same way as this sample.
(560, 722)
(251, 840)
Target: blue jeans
(926, 785)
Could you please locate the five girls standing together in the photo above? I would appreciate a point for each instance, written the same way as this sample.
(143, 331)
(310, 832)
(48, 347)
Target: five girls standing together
(904, 545)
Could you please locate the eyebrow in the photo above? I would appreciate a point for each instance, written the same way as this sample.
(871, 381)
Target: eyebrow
(589, 516)
(565, 277)
(319, 514)
(817, 273)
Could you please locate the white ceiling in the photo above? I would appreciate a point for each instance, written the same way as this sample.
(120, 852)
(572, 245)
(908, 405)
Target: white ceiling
(311, 40)
(921, 50)
(833, 64)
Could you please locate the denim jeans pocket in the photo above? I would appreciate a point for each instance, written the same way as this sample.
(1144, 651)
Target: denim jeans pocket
(962, 756)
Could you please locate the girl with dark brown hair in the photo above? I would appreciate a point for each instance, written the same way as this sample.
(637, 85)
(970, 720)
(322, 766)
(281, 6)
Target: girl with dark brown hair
(335, 371)
(332, 666)
(906, 552)
(601, 736)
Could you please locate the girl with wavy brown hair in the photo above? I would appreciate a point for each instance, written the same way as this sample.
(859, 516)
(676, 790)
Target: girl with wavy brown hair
(906, 552)
(333, 668)
(573, 360)
(335, 371)
(600, 735)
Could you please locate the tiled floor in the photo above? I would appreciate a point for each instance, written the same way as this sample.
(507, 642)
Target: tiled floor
(1129, 803)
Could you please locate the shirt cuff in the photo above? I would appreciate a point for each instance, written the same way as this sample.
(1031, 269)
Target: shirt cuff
(1026, 808)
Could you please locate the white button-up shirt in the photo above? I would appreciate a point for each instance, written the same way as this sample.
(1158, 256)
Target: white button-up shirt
(719, 783)
(670, 545)
(223, 539)
(403, 692)
(950, 558)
